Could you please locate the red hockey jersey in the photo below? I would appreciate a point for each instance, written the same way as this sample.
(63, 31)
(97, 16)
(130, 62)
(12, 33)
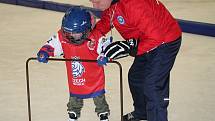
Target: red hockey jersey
(85, 80)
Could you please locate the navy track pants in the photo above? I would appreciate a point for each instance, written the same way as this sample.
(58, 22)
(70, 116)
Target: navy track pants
(149, 78)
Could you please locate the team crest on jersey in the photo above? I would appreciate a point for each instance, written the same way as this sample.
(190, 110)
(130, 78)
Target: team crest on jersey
(77, 68)
(121, 20)
(91, 45)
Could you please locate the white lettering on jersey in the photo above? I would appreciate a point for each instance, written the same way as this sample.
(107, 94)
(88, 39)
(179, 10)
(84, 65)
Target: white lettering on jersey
(79, 82)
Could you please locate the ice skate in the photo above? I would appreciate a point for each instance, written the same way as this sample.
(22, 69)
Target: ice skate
(130, 117)
(72, 116)
(104, 116)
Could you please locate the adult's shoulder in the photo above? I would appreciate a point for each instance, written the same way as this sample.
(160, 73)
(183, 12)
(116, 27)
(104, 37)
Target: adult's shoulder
(132, 5)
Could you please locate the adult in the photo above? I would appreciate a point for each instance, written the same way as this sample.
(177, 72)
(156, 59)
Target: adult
(153, 37)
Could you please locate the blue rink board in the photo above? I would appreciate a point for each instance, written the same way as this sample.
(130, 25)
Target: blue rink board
(193, 27)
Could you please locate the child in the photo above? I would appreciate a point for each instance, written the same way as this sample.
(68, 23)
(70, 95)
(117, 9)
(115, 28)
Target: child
(86, 80)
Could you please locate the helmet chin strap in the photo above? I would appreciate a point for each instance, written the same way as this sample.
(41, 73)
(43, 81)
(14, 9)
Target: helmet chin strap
(76, 42)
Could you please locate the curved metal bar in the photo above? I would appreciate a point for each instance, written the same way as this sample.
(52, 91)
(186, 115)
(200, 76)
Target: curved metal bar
(81, 60)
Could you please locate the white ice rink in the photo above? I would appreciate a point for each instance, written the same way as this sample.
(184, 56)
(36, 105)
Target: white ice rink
(24, 30)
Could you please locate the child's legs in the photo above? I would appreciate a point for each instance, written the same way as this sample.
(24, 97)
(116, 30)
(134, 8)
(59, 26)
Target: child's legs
(75, 105)
(101, 104)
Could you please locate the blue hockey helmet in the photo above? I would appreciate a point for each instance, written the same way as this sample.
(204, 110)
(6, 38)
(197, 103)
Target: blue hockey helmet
(76, 24)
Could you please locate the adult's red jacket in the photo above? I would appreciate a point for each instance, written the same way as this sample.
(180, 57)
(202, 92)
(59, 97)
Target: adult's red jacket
(146, 20)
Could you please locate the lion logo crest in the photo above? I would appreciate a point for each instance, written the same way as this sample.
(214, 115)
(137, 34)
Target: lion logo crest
(77, 68)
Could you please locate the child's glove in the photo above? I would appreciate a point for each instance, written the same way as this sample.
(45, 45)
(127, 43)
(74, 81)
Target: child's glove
(102, 60)
(42, 56)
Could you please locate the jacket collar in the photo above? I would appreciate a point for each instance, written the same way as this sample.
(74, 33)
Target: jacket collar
(114, 1)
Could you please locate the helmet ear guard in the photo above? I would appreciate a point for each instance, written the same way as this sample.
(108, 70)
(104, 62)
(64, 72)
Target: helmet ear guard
(76, 24)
